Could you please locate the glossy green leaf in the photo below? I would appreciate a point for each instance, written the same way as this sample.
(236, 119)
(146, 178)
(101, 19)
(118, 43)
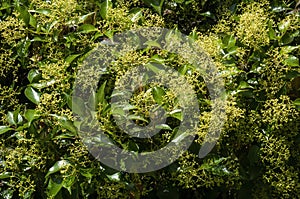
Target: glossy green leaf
(244, 85)
(10, 118)
(31, 115)
(65, 123)
(68, 182)
(34, 76)
(24, 14)
(87, 28)
(163, 127)
(136, 15)
(32, 95)
(286, 39)
(156, 4)
(32, 21)
(71, 58)
(152, 44)
(43, 84)
(157, 59)
(100, 95)
(4, 129)
(136, 117)
(154, 68)
(297, 103)
(6, 174)
(85, 17)
(284, 25)
(54, 187)
(176, 114)
(158, 94)
(288, 49)
(41, 11)
(104, 8)
(114, 177)
(272, 32)
(59, 165)
(292, 61)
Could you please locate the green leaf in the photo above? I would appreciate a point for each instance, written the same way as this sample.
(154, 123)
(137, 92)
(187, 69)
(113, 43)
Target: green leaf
(24, 14)
(297, 103)
(10, 118)
(157, 59)
(283, 26)
(30, 115)
(41, 11)
(150, 44)
(229, 41)
(114, 177)
(104, 7)
(156, 4)
(286, 39)
(87, 28)
(32, 95)
(78, 106)
(4, 129)
(288, 49)
(6, 174)
(158, 94)
(292, 61)
(59, 165)
(32, 21)
(68, 182)
(136, 15)
(64, 122)
(43, 84)
(71, 58)
(272, 33)
(54, 187)
(136, 117)
(163, 126)
(86, 173)
(154, 68)
(100, 96)
(85, 17)
(244, 85)
(34, 76)
(177, 113)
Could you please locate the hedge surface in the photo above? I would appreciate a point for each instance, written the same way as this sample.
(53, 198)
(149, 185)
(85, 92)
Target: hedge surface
(255, 46)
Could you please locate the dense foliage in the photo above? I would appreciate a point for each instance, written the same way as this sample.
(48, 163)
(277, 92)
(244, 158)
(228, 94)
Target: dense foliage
(254, 44)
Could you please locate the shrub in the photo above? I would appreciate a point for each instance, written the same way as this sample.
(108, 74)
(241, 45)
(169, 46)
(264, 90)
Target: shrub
(255, 46)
